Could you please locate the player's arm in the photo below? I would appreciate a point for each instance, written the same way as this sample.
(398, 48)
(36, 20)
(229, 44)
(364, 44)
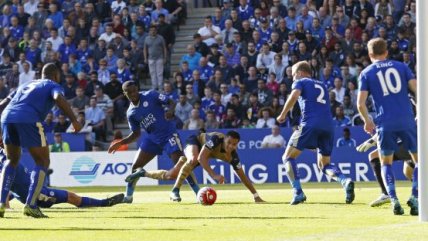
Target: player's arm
(6, 101)
(362, 109)
(291, 101)
(413, 87)
(170, 109)
(133, 136)
(203, 159)
(236, 164)
(62, 103)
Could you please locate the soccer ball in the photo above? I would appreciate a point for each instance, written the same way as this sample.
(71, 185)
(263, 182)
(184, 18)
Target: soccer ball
(207, 196)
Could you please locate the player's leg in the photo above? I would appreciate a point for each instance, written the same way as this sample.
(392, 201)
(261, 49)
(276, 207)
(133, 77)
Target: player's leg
(177, 157)
(325, 146)
(409, 139)
(38, 175)
(191, 153)
(141, 159)
(84, 202)
(377, 171)
(292, 173)
(387, 144)
(408, 168)
(12, 154)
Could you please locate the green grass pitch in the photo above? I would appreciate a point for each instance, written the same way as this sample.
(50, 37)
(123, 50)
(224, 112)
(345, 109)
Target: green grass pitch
(152, 216)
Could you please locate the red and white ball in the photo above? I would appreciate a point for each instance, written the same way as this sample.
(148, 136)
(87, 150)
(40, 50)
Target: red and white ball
(207, 196)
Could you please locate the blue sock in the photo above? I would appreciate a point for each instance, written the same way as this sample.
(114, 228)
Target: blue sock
(192, 184)
(130, 188)
(335, 173)
(415, 192)
(389, 180)
(38, 176)
(6, 180)
(293, 175)
(92, 202)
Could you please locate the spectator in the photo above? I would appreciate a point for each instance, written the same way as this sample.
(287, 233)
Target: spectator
(274, 140)
(232, 56)
(265, 119)
(4, 90)
(205, 71)
(12, 77)
(200, 46)
(194, 122)
(80, 101)
(226, 70)
(113, 90)
(217, 107)
(96, 117)
(265, 58)
(155, 54)
(106, 104)
(209, 31)
(338, 90)
(278, 67)
(183, 108)
(192, 58)
(340, 119)
(272, 84)
(211, 122)
(27, 74)
(228, 31)
(346, 140)
(169, 92)
(264, 94)
(190, 95)
(48, 123)
(62, 124)
(59, 145)
(349, 108)
(230, 120)
(246, 124)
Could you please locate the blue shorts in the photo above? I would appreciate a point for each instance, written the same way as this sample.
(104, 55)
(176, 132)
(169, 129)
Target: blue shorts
(170, 145)
(387, 141)
(24, 134)
(50, 196)
(311, 138)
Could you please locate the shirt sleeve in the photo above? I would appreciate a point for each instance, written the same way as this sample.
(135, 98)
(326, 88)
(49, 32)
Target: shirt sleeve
(409, 74)
(159, 98)
(235, 163)
(363, 82)
(133, 124)
(57, 90)
(297, 85)
(212, 142)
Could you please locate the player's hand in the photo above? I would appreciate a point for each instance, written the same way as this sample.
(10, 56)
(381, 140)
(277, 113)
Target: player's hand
(281, 118)
(219, 179)
(365, 146)
(76, 126)
(369, 127)
(259, 200)
(114, 146)
(169, 115)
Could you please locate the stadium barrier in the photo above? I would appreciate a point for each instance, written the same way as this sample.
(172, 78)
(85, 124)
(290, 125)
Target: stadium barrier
(261, 165)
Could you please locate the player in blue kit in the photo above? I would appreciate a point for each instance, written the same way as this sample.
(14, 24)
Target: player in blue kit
(23, 112)
(153, 112)
(50, 196)
(316, 130)
(389, 82)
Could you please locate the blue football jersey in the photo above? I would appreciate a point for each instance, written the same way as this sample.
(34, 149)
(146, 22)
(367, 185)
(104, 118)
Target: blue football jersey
(31, 102)
(387, 82)
(150, 115)
(314, 103)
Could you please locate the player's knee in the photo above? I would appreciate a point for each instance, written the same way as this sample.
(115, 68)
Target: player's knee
(373, 157)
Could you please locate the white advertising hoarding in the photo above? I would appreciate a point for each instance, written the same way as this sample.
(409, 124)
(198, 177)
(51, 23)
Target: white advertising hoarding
(75, 169)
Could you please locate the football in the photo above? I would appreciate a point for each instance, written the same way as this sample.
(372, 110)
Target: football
(207, 196)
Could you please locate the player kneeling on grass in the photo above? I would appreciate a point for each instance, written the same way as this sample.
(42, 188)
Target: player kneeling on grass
(402, 154)
(50, 196)
(316, 130)
(199, 149)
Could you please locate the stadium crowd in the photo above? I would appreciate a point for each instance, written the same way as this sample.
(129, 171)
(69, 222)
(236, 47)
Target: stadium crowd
(236, 73)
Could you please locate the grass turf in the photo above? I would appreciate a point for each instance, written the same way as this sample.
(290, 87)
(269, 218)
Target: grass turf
(152, 216)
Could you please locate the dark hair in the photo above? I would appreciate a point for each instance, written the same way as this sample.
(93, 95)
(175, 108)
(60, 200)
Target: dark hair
(234, 135)
(128, 83)
(50, 70)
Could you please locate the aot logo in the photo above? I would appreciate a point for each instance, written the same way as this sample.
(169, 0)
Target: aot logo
(84, 169)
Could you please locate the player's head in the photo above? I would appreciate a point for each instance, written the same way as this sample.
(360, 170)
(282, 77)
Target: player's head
(300, 70)
(130, 90)
(378, 49)
(231, 141)
(50, 71)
